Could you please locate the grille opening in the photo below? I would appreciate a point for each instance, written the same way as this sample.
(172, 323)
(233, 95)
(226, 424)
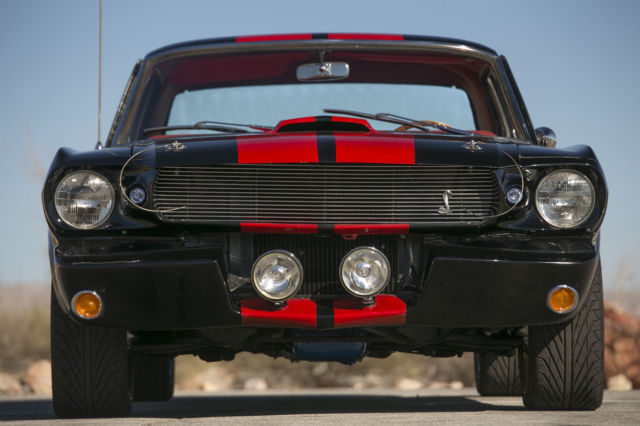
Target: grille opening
(325, 194)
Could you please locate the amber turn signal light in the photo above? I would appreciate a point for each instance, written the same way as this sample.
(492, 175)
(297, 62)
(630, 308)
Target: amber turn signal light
(86, 304)
(562, 299)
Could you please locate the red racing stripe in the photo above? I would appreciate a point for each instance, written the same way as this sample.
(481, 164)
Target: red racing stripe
(364, 228)
(273, 37)
(278, 149)
(279, 228)
(388, 310)
(387, 150)
(362, 36)
(294, 121)
(300, 313)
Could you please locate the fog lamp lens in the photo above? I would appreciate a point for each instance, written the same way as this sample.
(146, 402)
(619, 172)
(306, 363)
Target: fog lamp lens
(514, 195)
(364, 271)
(138, 195)
(562, 299)
(277, 275)
(86, 304)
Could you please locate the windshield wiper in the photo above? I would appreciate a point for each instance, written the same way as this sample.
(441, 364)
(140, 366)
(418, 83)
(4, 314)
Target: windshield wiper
(424, 125)
(215, 126)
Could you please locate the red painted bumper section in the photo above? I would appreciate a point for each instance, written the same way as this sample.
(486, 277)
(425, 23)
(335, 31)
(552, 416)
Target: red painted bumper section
(342, 313)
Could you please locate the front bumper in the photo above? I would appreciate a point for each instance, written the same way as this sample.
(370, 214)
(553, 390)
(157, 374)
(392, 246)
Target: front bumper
(474, 287)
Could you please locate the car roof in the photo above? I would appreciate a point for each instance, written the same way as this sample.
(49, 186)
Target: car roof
(302, 37)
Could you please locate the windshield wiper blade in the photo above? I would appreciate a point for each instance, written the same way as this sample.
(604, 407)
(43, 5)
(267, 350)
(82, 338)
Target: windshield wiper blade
(216, 126)
(424, 125)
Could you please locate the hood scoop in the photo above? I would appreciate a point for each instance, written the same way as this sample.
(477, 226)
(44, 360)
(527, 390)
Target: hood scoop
(324, 123)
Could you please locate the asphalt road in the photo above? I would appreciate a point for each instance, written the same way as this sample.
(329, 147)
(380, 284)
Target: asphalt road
(310, 407)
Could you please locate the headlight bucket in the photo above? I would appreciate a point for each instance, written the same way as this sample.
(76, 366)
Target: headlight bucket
(565, 198)
(84, 199)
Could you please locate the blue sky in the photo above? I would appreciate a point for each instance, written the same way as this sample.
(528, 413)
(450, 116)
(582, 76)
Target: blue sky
(577, 64)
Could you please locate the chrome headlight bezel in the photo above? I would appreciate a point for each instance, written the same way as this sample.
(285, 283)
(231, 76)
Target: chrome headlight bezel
(555, 223)
(65, 217)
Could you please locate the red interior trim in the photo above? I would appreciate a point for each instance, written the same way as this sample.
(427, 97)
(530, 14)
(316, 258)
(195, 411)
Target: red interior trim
(387, 310)
(279, 228)
(387, 150)
(363, 36)
(358, 229)
(299, 313)
(273, 37)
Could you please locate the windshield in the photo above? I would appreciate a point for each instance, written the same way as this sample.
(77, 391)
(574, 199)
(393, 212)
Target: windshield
(267, 105)
(262, 89)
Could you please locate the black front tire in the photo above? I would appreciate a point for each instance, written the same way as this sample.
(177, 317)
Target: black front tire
(497, 375)
(153, 377)
(566, 361)
(89, 368)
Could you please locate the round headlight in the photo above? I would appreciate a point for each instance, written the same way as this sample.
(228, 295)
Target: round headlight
(84, 199)
(565, 198)
(277, 275)
(364, 271)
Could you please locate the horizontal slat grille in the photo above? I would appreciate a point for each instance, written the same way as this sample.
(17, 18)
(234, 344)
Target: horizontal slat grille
(324, 193)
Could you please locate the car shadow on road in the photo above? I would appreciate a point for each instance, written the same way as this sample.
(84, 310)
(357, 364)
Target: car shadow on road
(212, 405)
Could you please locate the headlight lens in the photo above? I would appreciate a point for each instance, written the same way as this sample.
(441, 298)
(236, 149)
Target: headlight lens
(565, 198)
(84, 199)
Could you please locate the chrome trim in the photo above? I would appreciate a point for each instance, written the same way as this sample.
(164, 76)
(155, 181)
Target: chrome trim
(367, 298)
(260, 291)
(573, 290)
(445, 199)
(73, 304)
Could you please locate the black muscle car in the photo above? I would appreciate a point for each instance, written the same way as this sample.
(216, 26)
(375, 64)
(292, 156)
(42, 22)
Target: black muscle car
(324, 197)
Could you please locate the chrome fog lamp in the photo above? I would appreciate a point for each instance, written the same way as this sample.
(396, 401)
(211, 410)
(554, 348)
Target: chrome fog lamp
(364, 271)
(277, 275)
(84, 199)
(514, 195)
(138, 195)
(565, 198)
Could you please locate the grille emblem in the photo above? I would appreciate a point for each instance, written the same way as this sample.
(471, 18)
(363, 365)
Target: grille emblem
(446, 209)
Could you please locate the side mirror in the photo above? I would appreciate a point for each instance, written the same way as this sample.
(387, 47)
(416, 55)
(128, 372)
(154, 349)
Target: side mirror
(546, 137)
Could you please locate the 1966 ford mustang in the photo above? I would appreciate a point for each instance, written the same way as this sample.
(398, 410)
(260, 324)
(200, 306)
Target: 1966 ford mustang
(324, 197)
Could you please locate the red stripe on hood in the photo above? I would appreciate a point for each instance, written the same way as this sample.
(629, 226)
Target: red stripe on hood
(387, 310)
(295, 313)
(277, 228)
(278, 149)
(383, 150)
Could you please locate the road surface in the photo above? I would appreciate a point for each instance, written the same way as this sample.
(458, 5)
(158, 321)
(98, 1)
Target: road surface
(336, 407)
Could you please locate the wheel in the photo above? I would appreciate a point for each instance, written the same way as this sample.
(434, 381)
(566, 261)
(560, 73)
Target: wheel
(565, 368)
(497, 375)
(152, 377)
(89, 368)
